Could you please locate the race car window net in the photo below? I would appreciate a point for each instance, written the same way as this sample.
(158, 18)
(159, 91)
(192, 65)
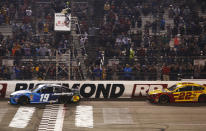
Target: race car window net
(197, 88)
(186, 88)
(66, 90)
(47, 90)
(57, 90)
(36, 87)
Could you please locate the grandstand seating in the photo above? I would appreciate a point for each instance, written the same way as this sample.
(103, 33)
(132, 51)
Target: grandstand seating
(153, 38)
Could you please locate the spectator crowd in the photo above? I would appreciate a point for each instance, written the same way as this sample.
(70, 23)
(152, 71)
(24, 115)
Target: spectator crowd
(33, 43)
(171, 45)
(154, 49)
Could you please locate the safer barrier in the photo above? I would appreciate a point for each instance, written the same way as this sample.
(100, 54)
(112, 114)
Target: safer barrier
(95, 89)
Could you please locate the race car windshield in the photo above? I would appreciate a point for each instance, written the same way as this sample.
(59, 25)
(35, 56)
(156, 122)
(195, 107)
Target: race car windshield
(173, 87)
(37, 86)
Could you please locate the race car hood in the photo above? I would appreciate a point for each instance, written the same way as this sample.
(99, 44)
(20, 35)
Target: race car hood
(158, 91)
(21, 92)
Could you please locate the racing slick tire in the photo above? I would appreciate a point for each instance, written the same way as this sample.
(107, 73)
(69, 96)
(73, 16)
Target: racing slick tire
(202, 99)
(164, 99)
(23, 100)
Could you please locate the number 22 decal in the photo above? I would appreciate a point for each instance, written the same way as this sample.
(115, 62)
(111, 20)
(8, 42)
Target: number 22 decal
(44, 97)
(185, 95)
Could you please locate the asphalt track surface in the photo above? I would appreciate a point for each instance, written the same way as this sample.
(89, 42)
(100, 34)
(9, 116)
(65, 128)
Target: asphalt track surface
(103, 116)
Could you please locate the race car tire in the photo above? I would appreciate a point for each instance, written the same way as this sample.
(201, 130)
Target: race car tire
(164, 99)
(63, 100)
(23, 100)
(202, 99)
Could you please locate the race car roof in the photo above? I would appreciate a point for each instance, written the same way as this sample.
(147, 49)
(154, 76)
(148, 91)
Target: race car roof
(188, 83)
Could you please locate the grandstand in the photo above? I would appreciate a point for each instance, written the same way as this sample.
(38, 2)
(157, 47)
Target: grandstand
(109, 40)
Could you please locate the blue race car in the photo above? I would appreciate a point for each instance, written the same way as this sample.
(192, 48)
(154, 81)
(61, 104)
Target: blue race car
(45, 93)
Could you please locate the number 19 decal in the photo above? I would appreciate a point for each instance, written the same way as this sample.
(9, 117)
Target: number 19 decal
(44, 97)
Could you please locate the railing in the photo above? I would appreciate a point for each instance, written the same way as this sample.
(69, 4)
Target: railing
(119, 75)
(115, 71)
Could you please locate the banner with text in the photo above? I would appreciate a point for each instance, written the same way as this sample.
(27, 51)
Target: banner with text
(95, 89)
(60, 22)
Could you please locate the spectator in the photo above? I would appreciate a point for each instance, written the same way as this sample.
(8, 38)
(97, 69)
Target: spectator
(43, 51)
(107, 6)
(97, 73)
(127, 72)
(174, 72)
(136, 72)
(165, 72)
(131, 55)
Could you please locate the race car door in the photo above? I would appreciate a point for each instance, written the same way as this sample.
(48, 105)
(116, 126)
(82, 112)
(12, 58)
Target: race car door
(57, 93)
(43, 95)
(183, 94)
(197, 91)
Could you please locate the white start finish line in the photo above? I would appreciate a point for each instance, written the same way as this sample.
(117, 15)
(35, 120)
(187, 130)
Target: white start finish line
(60, 118)
(53, 118)
(84, 116)
(22, 117)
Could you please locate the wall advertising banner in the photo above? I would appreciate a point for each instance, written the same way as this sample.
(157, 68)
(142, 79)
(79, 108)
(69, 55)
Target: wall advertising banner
(95, 89)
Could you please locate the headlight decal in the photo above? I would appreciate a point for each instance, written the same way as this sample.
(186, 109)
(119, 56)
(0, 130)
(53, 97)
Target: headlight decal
(31, 97)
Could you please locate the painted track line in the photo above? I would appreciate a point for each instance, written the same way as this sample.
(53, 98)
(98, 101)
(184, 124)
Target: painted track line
(60, 118)
(84, 116)
(22, 117)
(53, 118)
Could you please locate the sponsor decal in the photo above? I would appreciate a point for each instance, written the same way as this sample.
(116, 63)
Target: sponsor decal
(3, 87)
(61, 15)
(75, 98)
(57, 94)
(31, 97)
(140, 90)
(86, 90)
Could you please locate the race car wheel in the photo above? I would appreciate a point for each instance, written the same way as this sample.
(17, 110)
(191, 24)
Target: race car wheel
(23, 100)
(164, 99)
(202, 99)
(63, 100)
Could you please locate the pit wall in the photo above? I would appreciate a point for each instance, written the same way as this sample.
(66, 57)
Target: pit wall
(96, 89)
